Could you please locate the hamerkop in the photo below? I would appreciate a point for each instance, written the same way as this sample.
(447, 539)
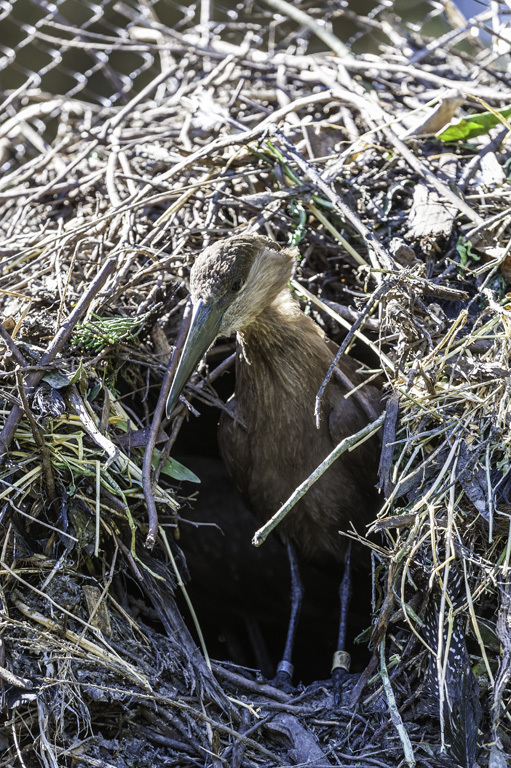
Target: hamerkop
(269, 440)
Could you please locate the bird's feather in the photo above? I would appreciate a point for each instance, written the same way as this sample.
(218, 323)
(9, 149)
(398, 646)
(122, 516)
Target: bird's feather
(272, 443)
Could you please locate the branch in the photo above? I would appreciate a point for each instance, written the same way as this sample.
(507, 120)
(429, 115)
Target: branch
(349, 442)
(147, 483)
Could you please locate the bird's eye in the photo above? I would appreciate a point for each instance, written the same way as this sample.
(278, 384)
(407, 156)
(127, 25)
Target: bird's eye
(237, 285)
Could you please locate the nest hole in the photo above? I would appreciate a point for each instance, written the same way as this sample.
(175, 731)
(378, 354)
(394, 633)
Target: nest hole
(241, 594)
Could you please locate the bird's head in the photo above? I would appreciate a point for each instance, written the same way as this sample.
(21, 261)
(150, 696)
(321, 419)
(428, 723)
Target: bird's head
(231, 282)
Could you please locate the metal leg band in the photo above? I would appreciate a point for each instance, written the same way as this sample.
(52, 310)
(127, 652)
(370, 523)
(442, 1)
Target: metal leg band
(341, 660)
(287, 667)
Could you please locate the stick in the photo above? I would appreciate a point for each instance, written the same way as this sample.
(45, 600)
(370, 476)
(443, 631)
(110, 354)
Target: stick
(349, 442)
(384, 258)
(324, 34)
(38, 438)
(394, 711)
(11, 346)
(152, 513)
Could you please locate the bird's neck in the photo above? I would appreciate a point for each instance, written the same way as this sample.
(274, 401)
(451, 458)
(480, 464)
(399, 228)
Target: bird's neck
(281, 353)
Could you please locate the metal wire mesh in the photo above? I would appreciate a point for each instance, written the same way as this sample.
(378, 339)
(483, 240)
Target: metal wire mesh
(77, 48)
(105, 51)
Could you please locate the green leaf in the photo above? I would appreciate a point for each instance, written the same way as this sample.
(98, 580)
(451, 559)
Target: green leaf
(174, 469)
(299, 231)
(413, 615)
(475, 125)
(79, 375)
(465, 252)
(57, 380)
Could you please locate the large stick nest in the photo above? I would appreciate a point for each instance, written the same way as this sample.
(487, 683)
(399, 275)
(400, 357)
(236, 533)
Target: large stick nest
(263, 123)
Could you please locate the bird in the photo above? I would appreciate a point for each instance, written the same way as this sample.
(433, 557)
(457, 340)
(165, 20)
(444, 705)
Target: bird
(268, 435)
(451, 690)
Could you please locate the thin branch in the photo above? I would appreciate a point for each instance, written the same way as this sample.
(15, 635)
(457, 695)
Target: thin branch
(159, 411)
(262, 534)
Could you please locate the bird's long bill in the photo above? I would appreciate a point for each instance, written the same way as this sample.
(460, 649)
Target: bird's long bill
(201, 334)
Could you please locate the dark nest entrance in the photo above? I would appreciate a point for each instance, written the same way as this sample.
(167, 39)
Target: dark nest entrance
(241, 593)
(165, 135)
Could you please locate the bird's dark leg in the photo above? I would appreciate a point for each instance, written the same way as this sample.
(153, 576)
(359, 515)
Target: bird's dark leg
(341, 660)
(284, 676)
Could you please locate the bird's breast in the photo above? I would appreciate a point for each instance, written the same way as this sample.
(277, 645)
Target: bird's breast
(270, 441)
(269, 453)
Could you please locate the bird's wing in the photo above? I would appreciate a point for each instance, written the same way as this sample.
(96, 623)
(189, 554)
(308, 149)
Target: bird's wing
(348, 415)
(234, 445)
(348, 375)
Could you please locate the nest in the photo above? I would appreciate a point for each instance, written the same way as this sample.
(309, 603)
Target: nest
(265, 123)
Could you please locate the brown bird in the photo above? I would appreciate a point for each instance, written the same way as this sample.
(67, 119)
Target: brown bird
(269, 439)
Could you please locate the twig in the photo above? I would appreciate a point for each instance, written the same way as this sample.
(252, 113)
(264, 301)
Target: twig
(385, 286)
(385, 259)
(473, 165)
(422, 169)
(107, 657)
(387, 451)
(240, 139)
(394, 712)
(250, 685)
(38, 438)
(152, 512)
(11, 346)
(111, 450)
(178, 415)
(180, 583)
(18, 682)
(321, 31)
(348, 443)
(329, 309)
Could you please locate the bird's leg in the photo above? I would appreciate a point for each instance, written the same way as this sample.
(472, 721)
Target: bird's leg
(285, 668)
(341, 660)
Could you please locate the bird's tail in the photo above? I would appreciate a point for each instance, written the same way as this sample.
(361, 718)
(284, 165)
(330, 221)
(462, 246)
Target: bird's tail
(451, 689)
